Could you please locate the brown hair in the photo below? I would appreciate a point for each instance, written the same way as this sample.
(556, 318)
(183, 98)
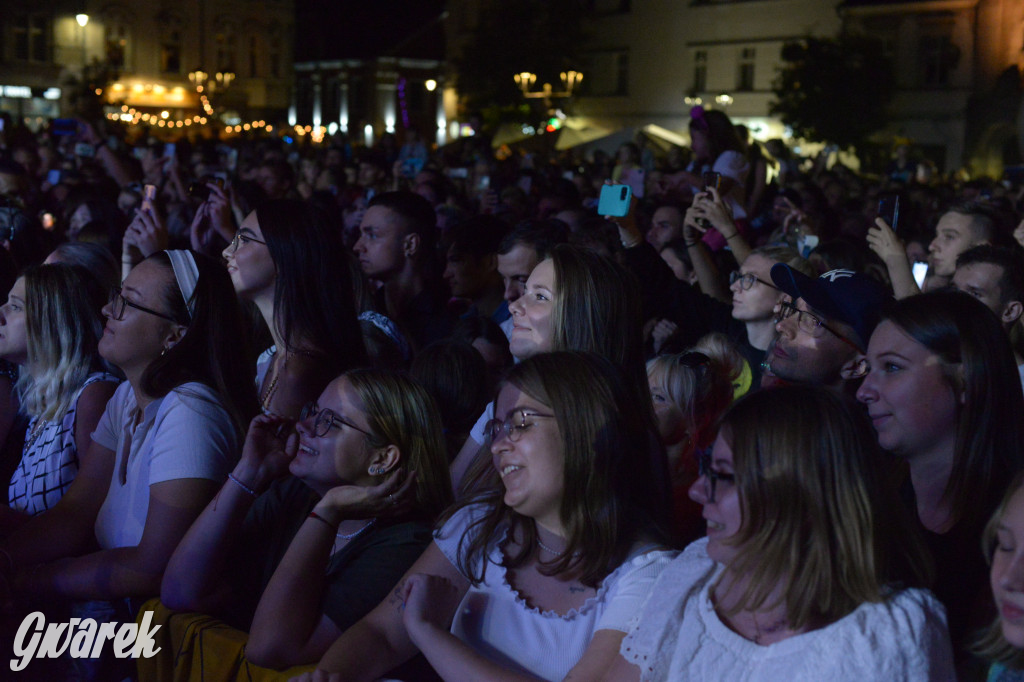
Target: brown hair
(821, 515)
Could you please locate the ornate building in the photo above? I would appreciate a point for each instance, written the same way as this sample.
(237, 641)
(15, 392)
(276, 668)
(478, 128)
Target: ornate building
(144, 54)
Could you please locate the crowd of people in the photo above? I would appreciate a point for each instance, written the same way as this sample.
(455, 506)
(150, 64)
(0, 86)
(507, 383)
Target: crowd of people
(342, 413)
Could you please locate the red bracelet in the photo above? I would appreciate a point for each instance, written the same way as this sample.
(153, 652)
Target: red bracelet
(314, 515)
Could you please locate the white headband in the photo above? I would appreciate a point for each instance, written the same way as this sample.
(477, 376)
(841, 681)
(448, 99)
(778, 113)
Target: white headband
(187, 273)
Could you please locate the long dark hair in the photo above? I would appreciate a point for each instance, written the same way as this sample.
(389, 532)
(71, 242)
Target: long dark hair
(608, 501)
(980, 366)
(213, 350)
(313, 293)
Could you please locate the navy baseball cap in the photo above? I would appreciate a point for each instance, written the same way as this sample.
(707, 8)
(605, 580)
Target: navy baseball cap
(842, 295)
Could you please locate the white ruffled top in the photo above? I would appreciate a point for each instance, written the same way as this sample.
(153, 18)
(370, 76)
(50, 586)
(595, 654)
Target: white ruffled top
(497, 622)
(679, 636)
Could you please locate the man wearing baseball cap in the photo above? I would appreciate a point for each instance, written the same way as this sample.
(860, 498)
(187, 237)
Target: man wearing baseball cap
(823, 331)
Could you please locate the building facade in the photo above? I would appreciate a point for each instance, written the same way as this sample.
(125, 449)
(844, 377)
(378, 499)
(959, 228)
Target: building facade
(144, 54)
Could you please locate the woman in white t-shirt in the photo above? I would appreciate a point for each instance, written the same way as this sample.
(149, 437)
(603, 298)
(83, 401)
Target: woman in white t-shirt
(811, 568)
(50, 326)
(538, 576)
(168, 438)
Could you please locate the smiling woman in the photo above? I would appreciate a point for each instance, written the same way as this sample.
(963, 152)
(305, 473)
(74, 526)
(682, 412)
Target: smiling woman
(808, 554)
(538, 576)
(314, 526)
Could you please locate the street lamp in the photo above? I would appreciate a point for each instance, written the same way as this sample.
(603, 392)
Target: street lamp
(525, 81)
(82, 20)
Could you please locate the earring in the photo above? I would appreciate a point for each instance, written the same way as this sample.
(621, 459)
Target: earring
(163, 352)
(374, 470)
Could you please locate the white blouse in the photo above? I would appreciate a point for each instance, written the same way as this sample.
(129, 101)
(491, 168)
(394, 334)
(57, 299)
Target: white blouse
(498, 623)
(679, 636)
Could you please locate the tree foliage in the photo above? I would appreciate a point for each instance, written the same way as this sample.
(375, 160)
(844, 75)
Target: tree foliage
(539, 36)
(834, 90)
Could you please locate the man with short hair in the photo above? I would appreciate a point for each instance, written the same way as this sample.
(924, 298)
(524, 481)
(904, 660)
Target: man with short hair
(519, 252)
(995, 276)
(471, 268)
(961, 227)
(666, 225)
(823, 331)
(396, 240)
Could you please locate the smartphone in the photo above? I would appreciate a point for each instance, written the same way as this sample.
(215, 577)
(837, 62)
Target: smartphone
(64, 127)
(889, 210)
(614, 200)
(169, 150)
(920, 271)
(484, 183)
(84, 150)
(47, 221)
(712, 179)
(148, 195)
(53, 177)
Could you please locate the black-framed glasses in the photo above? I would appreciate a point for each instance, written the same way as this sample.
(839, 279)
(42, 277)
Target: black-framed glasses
(809, 323)
(239, 239)
(710, 475)
(324, 419)
(747, 280)
(118, 304)
(512, 426)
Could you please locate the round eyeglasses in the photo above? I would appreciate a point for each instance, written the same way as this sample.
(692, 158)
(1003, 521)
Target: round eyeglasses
(747, 280)
(711, 476)
(118, 304)
(512, 426)
(324, 419)
(240, 239)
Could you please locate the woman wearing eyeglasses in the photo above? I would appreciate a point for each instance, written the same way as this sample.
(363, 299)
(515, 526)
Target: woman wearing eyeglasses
(537, 576)
(811, 568)
(573, 300)
(315, 526)
(749, 322)
(288, 261)
(50, 326)
(941, 394)
(166, 440)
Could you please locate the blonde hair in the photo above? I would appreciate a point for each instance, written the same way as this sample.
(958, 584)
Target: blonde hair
(699, 385)
(821, 516)
(400, 412)
(62, 311)
(991, 644)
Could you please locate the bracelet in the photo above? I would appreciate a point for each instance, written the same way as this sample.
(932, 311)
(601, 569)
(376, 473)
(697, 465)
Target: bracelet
(734, 234)
(690, 245)
(314, 515)
(232, 477)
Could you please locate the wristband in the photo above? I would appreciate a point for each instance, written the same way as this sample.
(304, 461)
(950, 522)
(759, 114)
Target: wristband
(690, 245)
(233, 478)
(314, 515)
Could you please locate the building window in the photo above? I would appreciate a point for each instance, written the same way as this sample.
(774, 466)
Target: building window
(254, 51)
(116, 40)
(605, 74)
(700, 71)
(30, 32)
(939, 57)
(170, 53)
(226, 43)
(745, 75)
(609, 6)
